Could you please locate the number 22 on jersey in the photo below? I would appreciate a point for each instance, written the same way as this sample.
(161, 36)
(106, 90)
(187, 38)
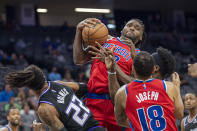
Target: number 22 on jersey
(76, 105)
(156, 118)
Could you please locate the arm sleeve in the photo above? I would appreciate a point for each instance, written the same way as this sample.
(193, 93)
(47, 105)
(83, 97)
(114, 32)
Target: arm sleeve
(83, 89)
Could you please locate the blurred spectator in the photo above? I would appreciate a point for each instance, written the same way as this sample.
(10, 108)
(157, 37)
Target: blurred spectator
(47, 42)
(27, 117)
(6, 94)
(20, 46)
(60, 57)
(14, 59)
(5, 59)
(67, 76)
(22, 61)
(54, 75)
(32, 99)
(56, 43)
(21, 97)
(12, 104)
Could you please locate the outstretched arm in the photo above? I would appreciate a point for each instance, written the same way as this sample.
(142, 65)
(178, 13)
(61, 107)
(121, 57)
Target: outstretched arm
(50, 117)
(79, 88)
(80, 56)
(173, 90)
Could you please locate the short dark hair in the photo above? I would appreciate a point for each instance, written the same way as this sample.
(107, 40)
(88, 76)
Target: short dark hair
(32, 77)
(166, 62)
(144, 64)
(144, 35)
(11, 108)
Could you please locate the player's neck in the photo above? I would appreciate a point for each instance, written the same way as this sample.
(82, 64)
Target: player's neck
(142, 78)
(39, 93)
(125, 39)
(192, 113)
(14, 128)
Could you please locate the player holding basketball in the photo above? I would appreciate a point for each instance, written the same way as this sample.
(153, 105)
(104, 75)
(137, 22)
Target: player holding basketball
(189, 123)
(98, 98)
(58, 108)
(13, 117)
(147, 103)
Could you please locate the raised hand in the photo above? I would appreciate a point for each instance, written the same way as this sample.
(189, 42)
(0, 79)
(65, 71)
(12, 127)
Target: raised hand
(132, 47)
(98, 52)
(110, 60)
(87, 22)
(176, 80)
(37, 126)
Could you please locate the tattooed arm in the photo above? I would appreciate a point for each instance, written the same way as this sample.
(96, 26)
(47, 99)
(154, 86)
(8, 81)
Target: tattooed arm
(49, 116)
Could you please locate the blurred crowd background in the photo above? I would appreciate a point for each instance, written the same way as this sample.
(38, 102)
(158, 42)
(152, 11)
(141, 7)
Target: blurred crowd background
(49, 44)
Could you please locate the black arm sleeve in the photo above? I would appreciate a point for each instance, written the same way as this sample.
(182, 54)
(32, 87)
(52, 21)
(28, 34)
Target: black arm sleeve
(83, 89)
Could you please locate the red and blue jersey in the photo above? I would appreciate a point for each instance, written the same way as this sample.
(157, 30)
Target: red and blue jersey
(148, 106)
(98, 81)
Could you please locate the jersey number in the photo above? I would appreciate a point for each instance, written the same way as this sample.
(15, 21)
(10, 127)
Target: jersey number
(76, 105)
(155, 114)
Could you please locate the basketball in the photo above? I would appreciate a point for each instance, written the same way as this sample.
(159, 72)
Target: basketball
(97, 32)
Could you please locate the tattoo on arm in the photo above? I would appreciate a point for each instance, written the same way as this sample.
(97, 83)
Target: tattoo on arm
(49, 117)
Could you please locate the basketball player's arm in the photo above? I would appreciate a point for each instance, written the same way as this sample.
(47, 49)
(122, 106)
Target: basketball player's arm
(49, 116)
(120, 105)
(80, 55)
(177, 100)
(79, 88)
(182, 125)
(122, 77)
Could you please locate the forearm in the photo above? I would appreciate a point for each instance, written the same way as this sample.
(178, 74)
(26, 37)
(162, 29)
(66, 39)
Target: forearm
(79, 55)
(122, 119)
(121, 76)
(113, 85)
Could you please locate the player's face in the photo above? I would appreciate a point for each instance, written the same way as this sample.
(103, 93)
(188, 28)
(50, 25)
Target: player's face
(190, 101)
(133, 30)
(14, 117)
